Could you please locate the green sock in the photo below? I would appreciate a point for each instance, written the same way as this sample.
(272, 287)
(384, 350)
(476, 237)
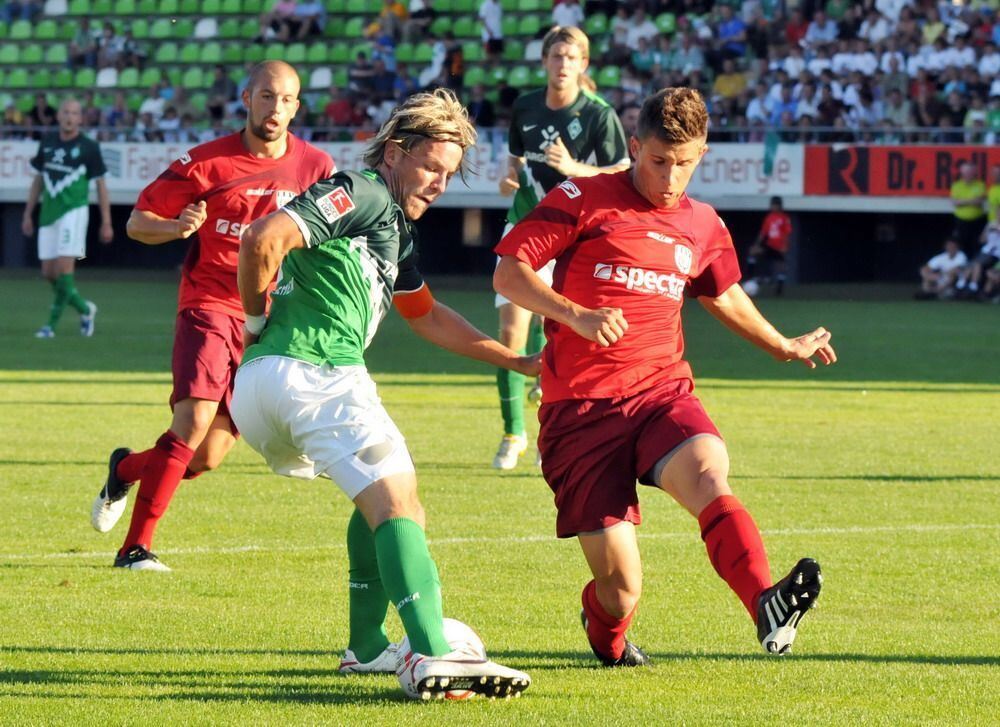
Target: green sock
(58, 302)
(411, 580)
(367, 597)
(536, 336)
(510, 384)
(72, 296)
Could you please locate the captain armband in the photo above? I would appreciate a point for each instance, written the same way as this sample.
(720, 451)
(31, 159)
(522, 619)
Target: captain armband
(414, 303)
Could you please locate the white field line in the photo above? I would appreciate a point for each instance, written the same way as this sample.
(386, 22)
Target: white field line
(525, 539)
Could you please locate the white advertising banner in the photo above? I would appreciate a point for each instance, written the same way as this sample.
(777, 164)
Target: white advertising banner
(728, 171)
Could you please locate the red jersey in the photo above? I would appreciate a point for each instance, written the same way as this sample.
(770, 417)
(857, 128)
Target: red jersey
(776, 229)
(614, 249)
(237, 188)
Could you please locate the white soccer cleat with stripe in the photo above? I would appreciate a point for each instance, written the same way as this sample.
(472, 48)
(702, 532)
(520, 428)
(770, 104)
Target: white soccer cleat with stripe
(782, 606)
(458, 675)
(384, 663)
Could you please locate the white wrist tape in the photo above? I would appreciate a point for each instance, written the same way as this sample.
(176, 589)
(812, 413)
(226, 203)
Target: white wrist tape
(255, 324)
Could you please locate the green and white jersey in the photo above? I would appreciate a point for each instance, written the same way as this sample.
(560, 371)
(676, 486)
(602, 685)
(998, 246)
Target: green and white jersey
(66, 168)
(589, 128)
(332, 294)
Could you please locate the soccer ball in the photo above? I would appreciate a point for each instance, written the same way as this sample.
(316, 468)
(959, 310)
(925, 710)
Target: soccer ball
(751, 287)
(460, 637)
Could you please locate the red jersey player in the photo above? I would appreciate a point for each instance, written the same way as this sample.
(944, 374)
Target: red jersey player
(618, 402)
(214, 190)
(772, 244)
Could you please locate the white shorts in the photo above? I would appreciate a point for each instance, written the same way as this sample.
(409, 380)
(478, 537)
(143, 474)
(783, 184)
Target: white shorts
(544, 274)
(66, 237)
(309, 420)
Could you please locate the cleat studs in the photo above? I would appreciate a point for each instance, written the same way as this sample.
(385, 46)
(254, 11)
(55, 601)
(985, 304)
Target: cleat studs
(425, 695)
(445, 681)
(430, 682)
(482, 680)
(439, 695)
(496, 680)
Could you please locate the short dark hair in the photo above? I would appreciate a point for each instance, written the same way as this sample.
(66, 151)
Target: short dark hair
(674, 116)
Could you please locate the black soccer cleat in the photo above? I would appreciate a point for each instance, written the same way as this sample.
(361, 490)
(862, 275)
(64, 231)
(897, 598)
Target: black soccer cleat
(110, 503)
(138, 558)
(782, 606)
(631, 656)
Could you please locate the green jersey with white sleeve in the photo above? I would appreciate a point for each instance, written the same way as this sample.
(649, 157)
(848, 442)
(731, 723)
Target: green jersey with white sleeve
(332, 294)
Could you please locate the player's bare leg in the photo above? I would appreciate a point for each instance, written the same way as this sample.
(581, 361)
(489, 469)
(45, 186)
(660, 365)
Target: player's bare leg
(514, 324)
(696, 475)
(609, 601)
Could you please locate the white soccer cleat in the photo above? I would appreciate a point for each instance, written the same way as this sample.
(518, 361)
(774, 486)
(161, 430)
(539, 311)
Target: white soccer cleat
(111, 501)
(512, 446)
(87, 320)
(458, 675)
(138, 558)
(384, 663)
(45, 332)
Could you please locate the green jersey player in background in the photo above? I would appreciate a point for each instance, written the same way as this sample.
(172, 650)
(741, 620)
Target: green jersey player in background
(303, 399)
(66, 162)
(561, 131)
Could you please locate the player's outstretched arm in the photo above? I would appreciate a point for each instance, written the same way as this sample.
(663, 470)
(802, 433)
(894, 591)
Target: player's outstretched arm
(151, 229)
(738, 313)
(448, 329)
(263, 246)
(558, 157)
(516, 281)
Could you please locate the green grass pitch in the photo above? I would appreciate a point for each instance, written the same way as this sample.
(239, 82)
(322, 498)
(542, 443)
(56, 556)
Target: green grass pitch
(886, 468)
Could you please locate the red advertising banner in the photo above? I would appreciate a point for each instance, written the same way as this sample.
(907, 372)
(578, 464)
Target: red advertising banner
(891, 171)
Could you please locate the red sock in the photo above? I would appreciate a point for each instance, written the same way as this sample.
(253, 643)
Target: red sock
(606, 632)
(130, 469)
(163, 472)
(735, 549)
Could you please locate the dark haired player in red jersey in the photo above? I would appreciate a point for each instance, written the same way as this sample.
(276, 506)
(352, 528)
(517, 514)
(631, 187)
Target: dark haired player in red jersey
(618, 403)
(212, 193)
(771, 245)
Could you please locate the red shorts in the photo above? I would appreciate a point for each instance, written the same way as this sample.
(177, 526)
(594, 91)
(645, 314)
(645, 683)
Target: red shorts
(594, 450)
(208, 346)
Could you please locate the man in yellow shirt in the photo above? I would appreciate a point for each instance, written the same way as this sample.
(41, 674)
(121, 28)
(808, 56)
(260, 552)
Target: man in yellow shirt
(967, 196)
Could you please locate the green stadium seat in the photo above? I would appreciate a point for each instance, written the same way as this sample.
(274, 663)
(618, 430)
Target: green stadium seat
(336, 6)
(41, 78)
(192, 7)
(423, 53)
(100, 8)
(189, 53)
(609, 77)
(519, 77)
(32, 54)
(147, 8)
(193, 78)
(140, 28)
(232, 53)
(55, 55)
(236, 75)
(160, 29)
(249, 29)
(304, 77)
(274, 52)
(354, 28)
(404, 52)
(24, 102)
(316, 53)
(198, 101)
(166, 53)
(338, 53)
(253, 53)
(19, 30)
(443, 6)
(513, 50)
(529, 25)
(167, 7)
(509, 6)
(149, 77)
(340, 77)
(363, 47)
(78, 7)
(211, 52)
(440, 25)
(128, 78)
(356, 7)
(134, 100)
(3, 29)
(67, 29)
(596, 24)
(229, 29)
(255, 7)
(63, 78)
(472, 51)
(666, 23)
(464, 6)
(509, 26)
(9, 54)
(474, 76)
(46, 30)
(208, 7)
(183, 29)
(545, 5)
(465, 27)
(334, 27)
(123, 7)
(296, 53)
(529, 6)
(17, 78)
(231, 7)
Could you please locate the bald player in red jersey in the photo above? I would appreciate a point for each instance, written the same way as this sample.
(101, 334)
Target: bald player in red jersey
(619, 403)
(212, 192)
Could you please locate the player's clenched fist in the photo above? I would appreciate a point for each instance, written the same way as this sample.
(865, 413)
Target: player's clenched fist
(190, 219)
(604, 326)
